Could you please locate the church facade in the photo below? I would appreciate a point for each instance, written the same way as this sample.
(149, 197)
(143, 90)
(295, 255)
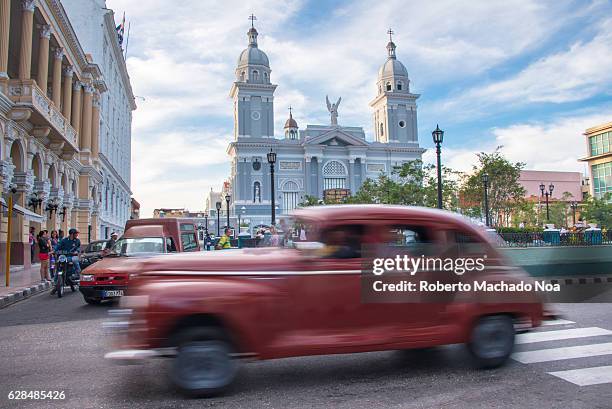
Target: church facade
(326, 161)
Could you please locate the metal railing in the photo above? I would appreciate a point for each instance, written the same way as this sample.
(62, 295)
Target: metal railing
(548, 238)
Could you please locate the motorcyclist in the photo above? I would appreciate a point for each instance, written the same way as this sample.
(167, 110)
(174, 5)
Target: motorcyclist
(70, 246)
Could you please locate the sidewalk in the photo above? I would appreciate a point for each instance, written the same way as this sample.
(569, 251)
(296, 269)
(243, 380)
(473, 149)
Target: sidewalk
(23, 284)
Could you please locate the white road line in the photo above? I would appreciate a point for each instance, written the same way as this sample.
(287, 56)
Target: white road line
(587, 376)
(561, 334)
(557, 354)
(556, 322)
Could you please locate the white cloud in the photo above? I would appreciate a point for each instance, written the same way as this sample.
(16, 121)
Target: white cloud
(553, 146)
(182, 57)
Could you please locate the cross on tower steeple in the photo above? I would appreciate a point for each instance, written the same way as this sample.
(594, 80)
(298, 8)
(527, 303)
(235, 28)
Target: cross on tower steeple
(290, 111)
(390, 32)
(252, 18)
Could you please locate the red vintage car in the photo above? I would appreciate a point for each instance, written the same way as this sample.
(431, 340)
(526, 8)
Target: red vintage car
(208, 309)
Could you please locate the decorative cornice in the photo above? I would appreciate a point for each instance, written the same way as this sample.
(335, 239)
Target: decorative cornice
(76, 85)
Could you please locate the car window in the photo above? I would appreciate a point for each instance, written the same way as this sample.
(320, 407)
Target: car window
(342, 241)
(170, 246)
(189, 241)
(467, 243)
(98, 246)
(410, 239)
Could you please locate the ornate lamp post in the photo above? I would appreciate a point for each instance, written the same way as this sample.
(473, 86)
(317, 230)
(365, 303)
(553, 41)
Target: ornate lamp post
(272, 160)
(34, 201)
(206, 223)
(438, 137)
(227, 202)
(547, 194)
(218, 206)
(63, 214)
(52, 206)
(574, 206)
(485, 182)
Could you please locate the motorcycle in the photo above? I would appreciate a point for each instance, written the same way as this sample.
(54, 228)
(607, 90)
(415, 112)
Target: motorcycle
(65, 275)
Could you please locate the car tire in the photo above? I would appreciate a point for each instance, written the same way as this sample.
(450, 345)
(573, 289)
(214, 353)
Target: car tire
(203, 366)
(492, 341)
(92, 301)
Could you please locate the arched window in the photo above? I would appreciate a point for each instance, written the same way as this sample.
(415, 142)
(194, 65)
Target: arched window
(399, 85)
(255, 75)
(242, 76)
(381, 129)
(257, 192)
(388, 86)
(265, 76)
(291, 196)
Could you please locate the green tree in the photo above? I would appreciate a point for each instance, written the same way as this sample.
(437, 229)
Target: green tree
(309, 201)
(505, 193)
(412, 184)
(598, 210)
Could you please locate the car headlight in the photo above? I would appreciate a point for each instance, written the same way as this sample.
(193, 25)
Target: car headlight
(62, 258)
(87, 277)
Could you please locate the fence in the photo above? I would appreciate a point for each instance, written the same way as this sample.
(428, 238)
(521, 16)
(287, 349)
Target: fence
(554, 238)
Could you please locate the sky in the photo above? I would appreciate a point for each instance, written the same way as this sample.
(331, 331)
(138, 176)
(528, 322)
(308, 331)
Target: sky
(528, 75)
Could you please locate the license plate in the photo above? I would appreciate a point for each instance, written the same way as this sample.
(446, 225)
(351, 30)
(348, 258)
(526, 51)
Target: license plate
(113, 293)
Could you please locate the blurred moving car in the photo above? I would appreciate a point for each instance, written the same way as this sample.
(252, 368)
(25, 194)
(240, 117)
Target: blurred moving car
(93, 252)
(207, 309)
(109, 277)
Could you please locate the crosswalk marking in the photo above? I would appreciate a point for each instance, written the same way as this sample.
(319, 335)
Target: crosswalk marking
(586, 376)
(561, 334)
(556, 322)
(557, 354)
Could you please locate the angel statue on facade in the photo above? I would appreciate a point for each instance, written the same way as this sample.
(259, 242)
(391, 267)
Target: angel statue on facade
(333, 110)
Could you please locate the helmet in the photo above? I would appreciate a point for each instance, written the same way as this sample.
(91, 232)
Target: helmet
(72, 231)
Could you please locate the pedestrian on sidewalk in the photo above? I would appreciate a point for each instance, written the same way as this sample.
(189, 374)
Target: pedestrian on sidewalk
(54, 240)
(32, 242)
(44, 247)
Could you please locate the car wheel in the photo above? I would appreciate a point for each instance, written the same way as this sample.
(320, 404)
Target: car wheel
(204, 365)
(492, 341)
(92, 301)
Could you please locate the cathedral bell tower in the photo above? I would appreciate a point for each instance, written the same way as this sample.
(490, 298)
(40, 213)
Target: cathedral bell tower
(252, 92)
(395, 116)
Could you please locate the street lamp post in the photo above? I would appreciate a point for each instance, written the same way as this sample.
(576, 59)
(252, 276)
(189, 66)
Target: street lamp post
(227, 201)
(438, 137)
(574, 206)
(547, 194)
(485, 181)
(218, 206)
(206, 223)
(271, 160)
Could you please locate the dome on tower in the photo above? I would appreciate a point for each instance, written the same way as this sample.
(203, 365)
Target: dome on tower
(392, 67)
(253, 55)
(291, 123)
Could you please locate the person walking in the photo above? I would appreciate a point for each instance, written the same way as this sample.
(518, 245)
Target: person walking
(32, 240)
(44, 248)
(54, 240)
(207, 242)
(225, 240)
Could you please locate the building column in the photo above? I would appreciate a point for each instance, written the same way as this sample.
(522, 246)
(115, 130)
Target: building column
(43, 58)
(56, 85)
(25, 51)
(85, 139)
(83, 212)
(76, 106)
(351, 176)
(67, 104)
(95, 126)
(5, 23)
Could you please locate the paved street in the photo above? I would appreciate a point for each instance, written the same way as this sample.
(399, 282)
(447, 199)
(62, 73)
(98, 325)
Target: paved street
(51, 344)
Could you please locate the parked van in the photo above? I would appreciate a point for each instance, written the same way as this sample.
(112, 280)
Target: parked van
(109, 277)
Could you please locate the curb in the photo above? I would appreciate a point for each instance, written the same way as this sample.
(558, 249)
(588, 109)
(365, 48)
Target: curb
(23, 293)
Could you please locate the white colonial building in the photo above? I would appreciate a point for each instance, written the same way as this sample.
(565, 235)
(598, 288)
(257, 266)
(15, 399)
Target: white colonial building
(324, 161)
(95, 26)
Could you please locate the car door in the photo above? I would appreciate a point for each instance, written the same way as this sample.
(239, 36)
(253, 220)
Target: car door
(329, 315)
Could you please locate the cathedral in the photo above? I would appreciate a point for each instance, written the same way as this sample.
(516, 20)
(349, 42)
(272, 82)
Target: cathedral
(327, 161)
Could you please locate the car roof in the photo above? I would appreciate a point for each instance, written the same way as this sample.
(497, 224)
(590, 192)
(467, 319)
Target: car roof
(374, 211)
(150, 230)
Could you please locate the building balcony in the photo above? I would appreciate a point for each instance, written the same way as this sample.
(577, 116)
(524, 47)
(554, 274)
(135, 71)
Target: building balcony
(50, 125)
